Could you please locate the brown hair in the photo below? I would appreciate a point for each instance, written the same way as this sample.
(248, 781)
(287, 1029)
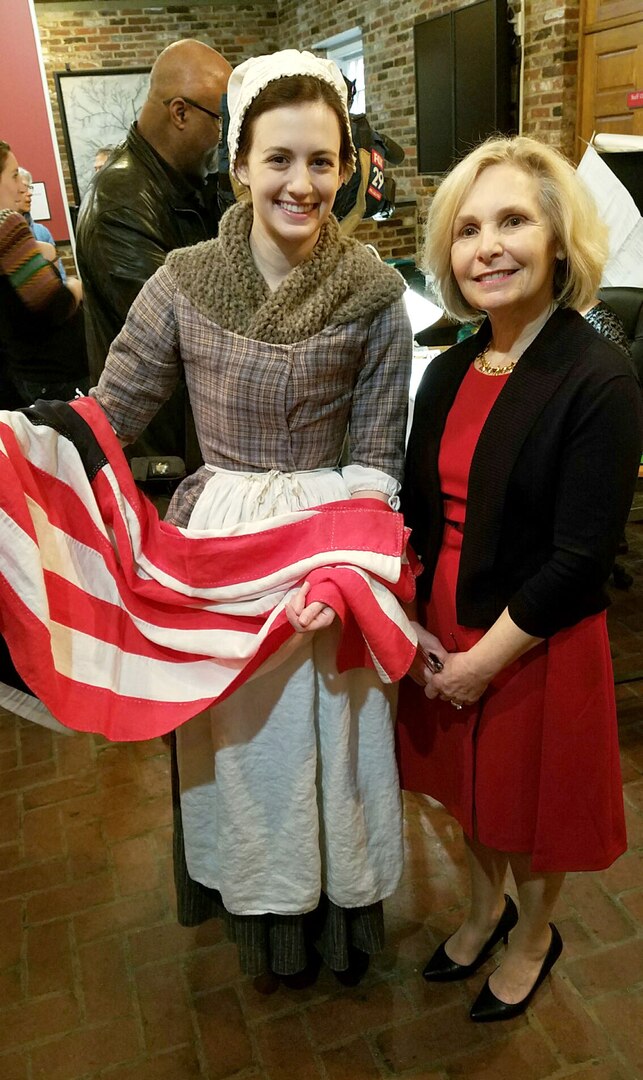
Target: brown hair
(294, 90)
(4, 153)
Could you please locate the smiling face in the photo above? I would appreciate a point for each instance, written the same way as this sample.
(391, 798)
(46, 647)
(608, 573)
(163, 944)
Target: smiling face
(503, 250)
(11, 185)
(293, 172)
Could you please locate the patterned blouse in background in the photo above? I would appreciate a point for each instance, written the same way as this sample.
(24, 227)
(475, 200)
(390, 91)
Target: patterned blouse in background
(607, 323)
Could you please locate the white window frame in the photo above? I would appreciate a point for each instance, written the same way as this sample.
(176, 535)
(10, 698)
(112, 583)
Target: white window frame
(347, 50)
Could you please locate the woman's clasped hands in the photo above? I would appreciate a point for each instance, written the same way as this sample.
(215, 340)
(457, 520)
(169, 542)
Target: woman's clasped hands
(451, 676)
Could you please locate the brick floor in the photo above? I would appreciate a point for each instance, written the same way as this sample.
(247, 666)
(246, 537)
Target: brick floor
(97, 982)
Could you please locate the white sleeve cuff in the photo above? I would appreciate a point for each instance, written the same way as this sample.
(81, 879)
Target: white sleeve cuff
(361, 478)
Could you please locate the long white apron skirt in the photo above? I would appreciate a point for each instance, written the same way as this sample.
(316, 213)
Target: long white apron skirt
(290, 787)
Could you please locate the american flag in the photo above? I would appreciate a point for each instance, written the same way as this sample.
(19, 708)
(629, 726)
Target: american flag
(126, 625)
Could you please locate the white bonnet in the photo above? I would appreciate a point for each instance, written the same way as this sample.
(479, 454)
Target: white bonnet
(251, 77)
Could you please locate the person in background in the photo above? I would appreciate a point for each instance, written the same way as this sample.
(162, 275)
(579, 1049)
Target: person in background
(520, 471)
(101, 156)
(607, 323)
(288, 815)
(40, 231)
(41, 323)
(154, 194)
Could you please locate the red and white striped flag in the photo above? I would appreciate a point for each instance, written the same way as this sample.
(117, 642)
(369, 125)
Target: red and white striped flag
(126, 625)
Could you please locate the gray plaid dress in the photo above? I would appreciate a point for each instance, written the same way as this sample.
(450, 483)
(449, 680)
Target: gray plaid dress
(288, 819)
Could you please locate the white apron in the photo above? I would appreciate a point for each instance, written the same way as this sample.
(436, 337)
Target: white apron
(289, 787)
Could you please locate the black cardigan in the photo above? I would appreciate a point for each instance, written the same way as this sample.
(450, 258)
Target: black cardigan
(551, 478)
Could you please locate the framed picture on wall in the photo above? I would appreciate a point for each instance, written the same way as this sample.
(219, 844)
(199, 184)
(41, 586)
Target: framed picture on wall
(97, 107)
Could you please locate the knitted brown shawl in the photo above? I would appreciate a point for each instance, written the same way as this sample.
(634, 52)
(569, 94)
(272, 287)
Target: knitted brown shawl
(340, 282)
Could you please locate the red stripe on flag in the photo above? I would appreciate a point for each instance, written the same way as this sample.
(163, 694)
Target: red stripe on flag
(71, 606)
(235, 565)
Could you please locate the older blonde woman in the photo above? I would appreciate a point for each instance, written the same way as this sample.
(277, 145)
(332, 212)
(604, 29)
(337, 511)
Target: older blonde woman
(520, 471)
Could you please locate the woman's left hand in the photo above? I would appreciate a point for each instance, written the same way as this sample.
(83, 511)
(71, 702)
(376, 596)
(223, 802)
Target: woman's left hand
(458, 682)
(306, 618)
(466, 675)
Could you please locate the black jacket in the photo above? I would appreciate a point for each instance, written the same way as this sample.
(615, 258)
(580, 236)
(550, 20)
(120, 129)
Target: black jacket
(137, 209)
(551, 478)
(42, 347)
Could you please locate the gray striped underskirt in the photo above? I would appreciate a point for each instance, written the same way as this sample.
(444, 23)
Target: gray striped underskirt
(279, 943)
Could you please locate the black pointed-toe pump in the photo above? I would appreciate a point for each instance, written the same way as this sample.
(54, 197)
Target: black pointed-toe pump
(488, 1008)
(441, 968)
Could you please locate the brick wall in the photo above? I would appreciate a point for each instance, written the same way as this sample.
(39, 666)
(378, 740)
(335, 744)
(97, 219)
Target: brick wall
(551, 71)
(131, 37)
(128, 37)
(395, 237)
(551, 47)
(390, 90)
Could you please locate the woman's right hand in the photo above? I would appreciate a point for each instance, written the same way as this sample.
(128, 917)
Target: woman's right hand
(419, 671)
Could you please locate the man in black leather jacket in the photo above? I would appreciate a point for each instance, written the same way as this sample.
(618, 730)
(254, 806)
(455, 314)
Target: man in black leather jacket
(154, 195)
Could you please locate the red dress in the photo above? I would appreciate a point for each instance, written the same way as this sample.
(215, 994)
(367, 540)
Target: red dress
(534, 765)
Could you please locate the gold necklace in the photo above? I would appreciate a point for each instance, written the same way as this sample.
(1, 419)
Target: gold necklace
(486, 368)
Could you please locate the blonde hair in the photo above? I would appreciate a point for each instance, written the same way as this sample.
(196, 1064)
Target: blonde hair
(565, 201)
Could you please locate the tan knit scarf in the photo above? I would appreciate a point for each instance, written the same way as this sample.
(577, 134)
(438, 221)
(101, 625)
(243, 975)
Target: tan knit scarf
(340, 282)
